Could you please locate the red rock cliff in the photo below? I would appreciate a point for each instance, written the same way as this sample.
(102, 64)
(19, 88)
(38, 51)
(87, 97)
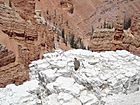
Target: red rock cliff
(24, 41)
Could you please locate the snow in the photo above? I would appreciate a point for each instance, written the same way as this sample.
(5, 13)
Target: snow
(19, 95)
(52, 100)
(122, 53)
(123, 99)
(106, 78)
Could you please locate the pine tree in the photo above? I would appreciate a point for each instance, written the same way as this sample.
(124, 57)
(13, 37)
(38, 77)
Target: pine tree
(127, 22)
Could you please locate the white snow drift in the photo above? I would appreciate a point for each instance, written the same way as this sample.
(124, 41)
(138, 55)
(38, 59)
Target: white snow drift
(106, 78)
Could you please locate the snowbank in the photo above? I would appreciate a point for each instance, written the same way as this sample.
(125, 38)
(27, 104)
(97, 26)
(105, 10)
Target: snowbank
(19, 95)
(102, 79)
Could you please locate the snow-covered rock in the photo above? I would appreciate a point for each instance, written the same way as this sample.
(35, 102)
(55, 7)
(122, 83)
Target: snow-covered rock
(19, 95)
(102, 79)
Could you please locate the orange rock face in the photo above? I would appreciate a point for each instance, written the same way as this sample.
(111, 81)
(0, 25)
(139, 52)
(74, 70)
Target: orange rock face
(97, 25)
(10, 71)
(24, 42)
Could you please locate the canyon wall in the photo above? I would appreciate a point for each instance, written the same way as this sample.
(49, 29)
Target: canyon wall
(24, 42)
(100, 25)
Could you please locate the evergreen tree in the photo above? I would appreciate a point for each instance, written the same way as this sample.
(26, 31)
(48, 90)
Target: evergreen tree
(127, 23)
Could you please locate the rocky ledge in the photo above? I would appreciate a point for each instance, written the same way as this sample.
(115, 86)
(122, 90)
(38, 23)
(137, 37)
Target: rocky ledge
(106, 78)
(6, 56)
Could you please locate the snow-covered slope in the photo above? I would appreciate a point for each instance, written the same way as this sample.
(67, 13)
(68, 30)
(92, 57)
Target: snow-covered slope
(106, 78)
(19, 95)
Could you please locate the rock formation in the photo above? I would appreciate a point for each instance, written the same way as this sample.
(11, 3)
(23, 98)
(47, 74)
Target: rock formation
(6, 56)
(24, 43)
(89, 19)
